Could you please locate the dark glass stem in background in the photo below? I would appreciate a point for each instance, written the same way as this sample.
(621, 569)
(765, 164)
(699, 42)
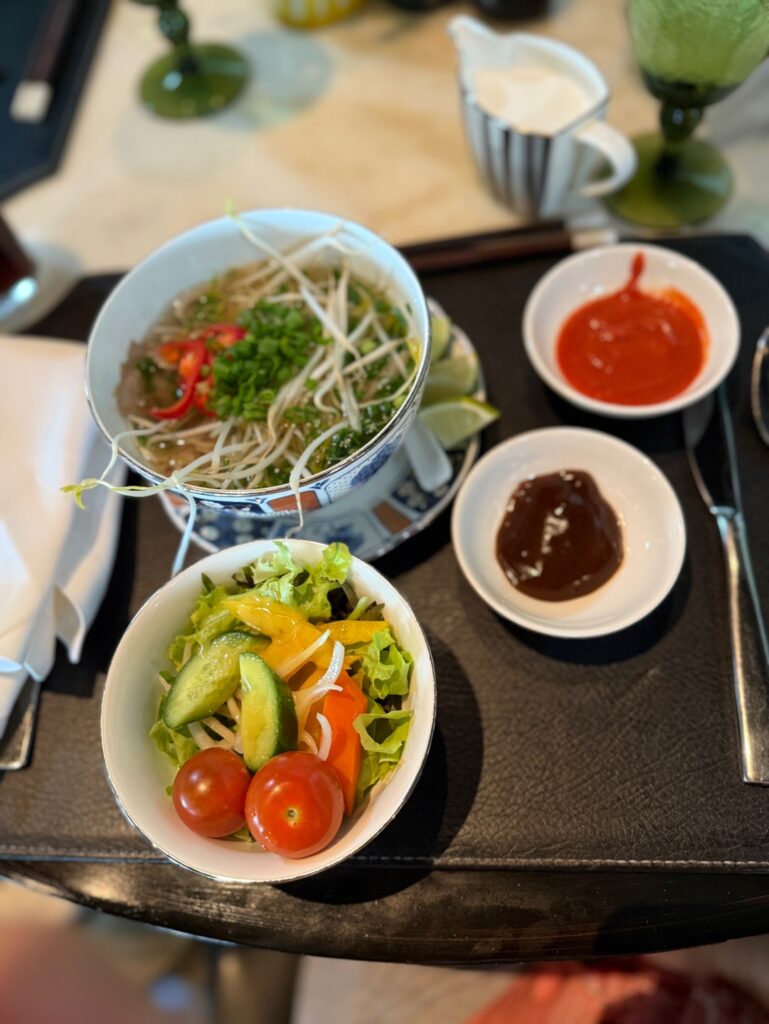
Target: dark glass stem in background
(15, 265)
(18, 284)
(682, 109)
(680, 179)
(194, 79)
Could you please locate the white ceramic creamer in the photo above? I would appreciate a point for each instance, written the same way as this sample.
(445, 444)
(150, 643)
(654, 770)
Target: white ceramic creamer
(533, 111)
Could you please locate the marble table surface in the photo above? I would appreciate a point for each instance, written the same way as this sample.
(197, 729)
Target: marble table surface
(360, 118)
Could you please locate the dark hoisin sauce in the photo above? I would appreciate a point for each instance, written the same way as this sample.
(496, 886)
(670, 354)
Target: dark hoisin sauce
(559, 538)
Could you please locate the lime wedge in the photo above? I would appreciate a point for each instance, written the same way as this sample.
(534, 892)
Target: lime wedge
(450, 378)
(440, 331)
(454, 421)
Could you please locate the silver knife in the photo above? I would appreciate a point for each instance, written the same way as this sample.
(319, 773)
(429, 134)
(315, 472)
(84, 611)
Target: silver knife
(713, 461)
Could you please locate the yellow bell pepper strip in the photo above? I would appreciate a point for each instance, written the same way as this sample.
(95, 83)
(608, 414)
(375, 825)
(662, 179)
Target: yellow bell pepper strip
(287, 628)
(341, 708)
(355, 631)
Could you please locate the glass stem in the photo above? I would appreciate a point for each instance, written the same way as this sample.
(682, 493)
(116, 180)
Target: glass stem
(677, 124)
(175, 26)
(185, 60)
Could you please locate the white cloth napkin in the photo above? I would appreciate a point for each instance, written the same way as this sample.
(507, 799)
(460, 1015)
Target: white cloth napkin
(55, 559)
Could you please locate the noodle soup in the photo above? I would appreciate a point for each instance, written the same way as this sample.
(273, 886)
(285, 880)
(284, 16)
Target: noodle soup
(296, 341)
(267, 375)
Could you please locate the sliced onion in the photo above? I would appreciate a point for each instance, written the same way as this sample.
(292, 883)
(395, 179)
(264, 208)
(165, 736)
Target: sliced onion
(291, 665)
(304, 699)
(221, 730)
(334, 669)
(325, 740)
(201, 737)
(308, 741)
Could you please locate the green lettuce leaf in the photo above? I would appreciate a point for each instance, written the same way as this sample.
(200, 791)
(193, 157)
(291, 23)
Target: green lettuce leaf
(207, 621)
(383, 735)
(277, 577)
(174, 743)
(386, 668)
(273, 563)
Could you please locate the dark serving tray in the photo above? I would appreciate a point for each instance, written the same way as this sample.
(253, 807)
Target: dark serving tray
(612, 753)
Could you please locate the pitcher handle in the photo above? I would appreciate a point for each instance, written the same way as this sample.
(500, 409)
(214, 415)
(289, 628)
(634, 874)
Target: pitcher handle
(616, 149)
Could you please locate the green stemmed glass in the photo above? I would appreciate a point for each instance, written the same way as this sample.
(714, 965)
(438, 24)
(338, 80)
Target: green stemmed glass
(692, 53)
(194, 79)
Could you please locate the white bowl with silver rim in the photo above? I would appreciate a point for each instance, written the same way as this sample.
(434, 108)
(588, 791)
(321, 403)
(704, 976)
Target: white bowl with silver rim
(596, 273)
(196, 257)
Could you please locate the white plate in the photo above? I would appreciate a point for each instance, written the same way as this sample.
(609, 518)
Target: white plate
(653, 531)
(586, 276)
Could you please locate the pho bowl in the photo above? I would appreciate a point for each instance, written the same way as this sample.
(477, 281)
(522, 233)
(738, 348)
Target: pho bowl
(596, 273)
(138, 772)
(193, 260)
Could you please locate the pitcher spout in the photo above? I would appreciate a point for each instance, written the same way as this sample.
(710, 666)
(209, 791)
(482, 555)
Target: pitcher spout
(476, 44)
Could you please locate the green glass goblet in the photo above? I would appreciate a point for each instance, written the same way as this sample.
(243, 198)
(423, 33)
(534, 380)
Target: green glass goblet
(194, 79)
(691, 55)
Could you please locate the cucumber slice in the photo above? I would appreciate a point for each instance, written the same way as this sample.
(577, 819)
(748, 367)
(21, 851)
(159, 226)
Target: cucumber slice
(268, 723)
(209, 678)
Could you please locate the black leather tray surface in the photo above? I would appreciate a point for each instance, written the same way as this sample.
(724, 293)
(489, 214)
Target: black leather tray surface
(612, 753)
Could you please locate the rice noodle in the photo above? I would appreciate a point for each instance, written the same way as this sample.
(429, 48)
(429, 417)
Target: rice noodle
(201, 737)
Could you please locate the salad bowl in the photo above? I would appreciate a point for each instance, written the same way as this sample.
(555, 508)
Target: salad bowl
(140, 774)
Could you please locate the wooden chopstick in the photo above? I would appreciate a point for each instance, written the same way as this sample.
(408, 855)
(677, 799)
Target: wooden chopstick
(491, 247)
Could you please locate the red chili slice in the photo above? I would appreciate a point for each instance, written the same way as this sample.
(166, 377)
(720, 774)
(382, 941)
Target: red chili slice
(226, 334)
(191, 355)
(191, 361)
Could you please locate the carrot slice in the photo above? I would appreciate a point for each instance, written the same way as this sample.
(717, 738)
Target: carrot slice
(341, 708)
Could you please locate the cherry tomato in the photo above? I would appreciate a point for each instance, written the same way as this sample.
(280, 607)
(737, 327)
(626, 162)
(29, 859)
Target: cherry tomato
(295, 804)
(209, 792)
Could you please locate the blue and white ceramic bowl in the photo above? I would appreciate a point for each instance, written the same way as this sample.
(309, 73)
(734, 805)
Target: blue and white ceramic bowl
(204, 252)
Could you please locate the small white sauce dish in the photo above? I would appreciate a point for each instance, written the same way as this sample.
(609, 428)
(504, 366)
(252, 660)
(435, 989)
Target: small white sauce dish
(139, 773)
(652, 523)
(590, 275)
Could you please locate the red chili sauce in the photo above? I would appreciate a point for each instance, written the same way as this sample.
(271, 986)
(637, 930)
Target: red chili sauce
(633, 347)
